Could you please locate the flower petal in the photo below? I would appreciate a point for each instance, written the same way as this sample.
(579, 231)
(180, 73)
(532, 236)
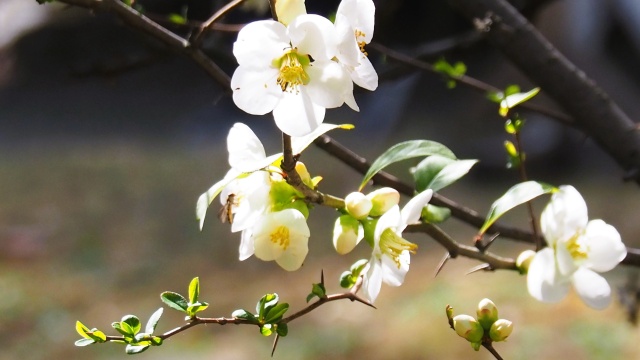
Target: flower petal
(348, 50)
(566, 263)
(246, 245)
(255, 91)
(260, 42)
(564, 216)
(297, 115)
(542, 281)
(391, 219)
(412, 211)
(593, 289)
(365, 74)
(372, 280)
(361, 14)
(392, 274)
(293, 257)
(314, 35)
(330, 83)
(245, 149)
(604, 246)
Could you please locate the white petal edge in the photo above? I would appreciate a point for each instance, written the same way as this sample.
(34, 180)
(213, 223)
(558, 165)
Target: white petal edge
(592, 288)
(255, 91)
(297, 115)
(605, 249)
(412, 211)
(542, 281)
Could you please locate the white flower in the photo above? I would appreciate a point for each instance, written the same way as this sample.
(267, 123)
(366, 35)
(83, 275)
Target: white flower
(390, 258)
(282, 236)
(578, 250)
(289, 70)
(355, 21)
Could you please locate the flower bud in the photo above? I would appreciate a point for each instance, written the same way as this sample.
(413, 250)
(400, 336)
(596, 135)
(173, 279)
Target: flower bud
(347, 233)
(523, 261)
(382, 200)
(287, 10)
(358, 205)
(468, 327)
(301, 169)
(500, 330)
(487, 313)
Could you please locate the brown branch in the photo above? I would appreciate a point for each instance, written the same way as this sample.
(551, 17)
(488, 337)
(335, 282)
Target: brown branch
(594, 113)
(141, 22)
(456, 249)
(466, 80)
(196, 39)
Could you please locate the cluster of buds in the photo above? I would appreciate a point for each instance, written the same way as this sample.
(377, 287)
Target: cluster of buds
(484, 329)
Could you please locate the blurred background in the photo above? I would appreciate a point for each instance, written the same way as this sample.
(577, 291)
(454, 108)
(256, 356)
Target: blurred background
(107, 138)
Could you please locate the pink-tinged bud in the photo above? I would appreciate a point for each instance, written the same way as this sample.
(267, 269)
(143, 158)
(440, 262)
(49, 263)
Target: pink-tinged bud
(487, 313)
(523, 261)
(382, 200)
(358, 205)
(468, 327)
(346, 234)
(500, 330)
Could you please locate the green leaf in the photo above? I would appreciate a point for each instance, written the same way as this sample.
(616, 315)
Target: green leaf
(516, 195)
(511, 90)
(266, 330)
(317, 290)
(195, 308)
(513, 100)
(194, 290)
(265, 303)
(118, 326)
(156, 341)
(403, 151)
(84, 342)
(435, 214)
(153, 321)
(282, 330)
(131, 324)
(82, 330)
(135, 349)
(177, 19)
(275, 313)
(437, 172)
(347, 280)
(245, 315)
(174, 301)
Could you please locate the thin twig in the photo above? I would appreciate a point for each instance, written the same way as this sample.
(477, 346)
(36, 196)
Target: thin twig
(196, 38)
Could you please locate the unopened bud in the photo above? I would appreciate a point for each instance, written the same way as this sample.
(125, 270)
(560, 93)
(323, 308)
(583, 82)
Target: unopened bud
(500, 330)
(287, 10)
(358, 205)
(347, 232)
(468, 327)
(382, 200)
(487, 313)
(523, 261)
(301, 169)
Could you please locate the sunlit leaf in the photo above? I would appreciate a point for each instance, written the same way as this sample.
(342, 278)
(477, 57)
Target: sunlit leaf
(437, 172)
(84, 342)
(516, 195)
(435, 214)
(132, 322)
(513, 100)
(275, 313)
(403, 151)
(135, 349)
(194, 290)
(245, 315)
(282, 330)
(266, 330)
(174, 301)
(153, 321)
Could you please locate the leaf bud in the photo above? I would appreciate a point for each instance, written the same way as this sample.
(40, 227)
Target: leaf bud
(358, 205)
(487, 313)
(347, 233)
(468, 327)
(500, 330)
(382, 200)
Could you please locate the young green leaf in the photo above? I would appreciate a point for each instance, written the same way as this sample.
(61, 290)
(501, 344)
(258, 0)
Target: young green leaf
(195, 308)
(282, 329)
(516, 195)
(266, 329)
(513, 100)
(194, 290)
(174, 301)
(317, 290)
(435, 214)
(130, 324)
(403, 151)
(84, 342)
(274, 314)
(135, 349)
(245, 315)
(265, 303)
(437, 172)
(153, 321)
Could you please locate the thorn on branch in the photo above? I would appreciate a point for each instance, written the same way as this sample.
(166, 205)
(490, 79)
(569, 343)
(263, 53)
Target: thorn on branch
(481, 267)
(444, 260)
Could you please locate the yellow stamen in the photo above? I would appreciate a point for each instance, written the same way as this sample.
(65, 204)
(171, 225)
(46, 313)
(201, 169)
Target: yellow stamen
(393, 245)
(578, 251)
(292, 73)
(361, 43)
(281, 237)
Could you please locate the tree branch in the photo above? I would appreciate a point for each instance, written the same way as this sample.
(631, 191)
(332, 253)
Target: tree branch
(594, 113)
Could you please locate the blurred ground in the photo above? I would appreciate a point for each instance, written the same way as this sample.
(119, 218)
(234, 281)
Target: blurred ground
(98, 182)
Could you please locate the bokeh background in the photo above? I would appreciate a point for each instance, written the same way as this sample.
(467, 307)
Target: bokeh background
(107, 139)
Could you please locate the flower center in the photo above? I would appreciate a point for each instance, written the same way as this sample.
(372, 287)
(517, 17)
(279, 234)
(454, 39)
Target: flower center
(292, 73)
(393, 245)
(577, 250)
(361, 43)
(280, 237)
